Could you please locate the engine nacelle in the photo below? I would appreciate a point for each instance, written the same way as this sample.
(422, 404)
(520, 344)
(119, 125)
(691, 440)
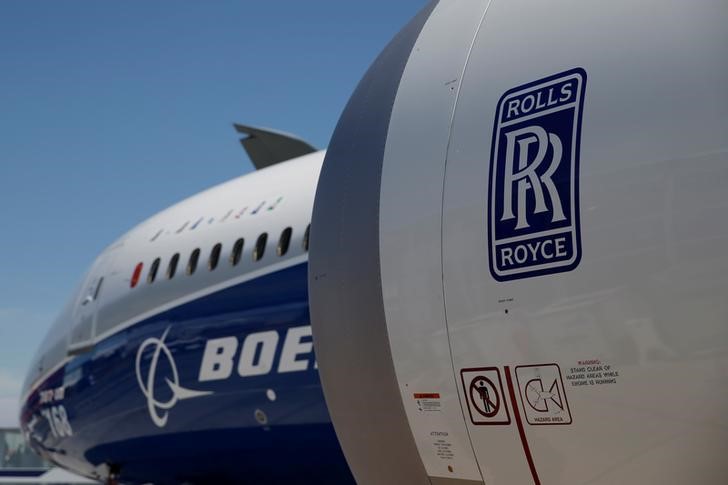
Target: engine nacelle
(518, 269)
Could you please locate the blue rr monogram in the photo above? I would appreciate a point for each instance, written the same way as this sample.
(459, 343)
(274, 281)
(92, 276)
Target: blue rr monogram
(533, 213)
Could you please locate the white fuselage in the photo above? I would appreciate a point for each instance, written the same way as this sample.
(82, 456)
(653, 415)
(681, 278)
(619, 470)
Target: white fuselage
(262, 202)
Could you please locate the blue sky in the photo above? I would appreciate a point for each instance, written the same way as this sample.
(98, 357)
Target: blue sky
(110, 112)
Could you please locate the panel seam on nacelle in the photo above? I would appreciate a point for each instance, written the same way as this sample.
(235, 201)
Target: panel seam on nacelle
(442, 216)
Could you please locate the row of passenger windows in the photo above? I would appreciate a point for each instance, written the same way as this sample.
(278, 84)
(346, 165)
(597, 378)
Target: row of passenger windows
(236, 255)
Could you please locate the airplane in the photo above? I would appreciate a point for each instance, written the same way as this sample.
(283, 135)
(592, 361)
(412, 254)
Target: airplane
(516, 275)
(185, 354)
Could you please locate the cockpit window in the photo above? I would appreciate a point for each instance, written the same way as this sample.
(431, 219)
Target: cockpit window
(94, 290)
(97, 292)
(192, 263)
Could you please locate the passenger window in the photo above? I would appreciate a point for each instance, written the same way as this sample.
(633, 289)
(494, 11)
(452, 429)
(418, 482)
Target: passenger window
(259, 249)
(135, 276)
(153, 271)
(237, 252)
(192, 263)
(284, 241)
(305, 237)
(172, 267)
(214, 256)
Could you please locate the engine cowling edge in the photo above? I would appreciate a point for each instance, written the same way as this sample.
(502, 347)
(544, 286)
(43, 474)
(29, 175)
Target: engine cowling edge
(350, 334)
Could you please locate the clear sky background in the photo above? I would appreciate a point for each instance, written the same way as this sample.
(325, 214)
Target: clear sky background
(111, 111)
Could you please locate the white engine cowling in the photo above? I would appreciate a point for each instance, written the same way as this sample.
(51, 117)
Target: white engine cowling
(518, 265)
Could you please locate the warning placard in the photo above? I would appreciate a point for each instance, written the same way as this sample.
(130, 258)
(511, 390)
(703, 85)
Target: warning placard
(428, 401)
(484, 395)
(542, 393)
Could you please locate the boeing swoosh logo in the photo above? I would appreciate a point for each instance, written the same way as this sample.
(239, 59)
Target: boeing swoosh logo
(159, 410)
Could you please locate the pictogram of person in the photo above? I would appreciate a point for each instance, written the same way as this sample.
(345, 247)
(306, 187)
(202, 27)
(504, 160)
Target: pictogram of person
(482, 389)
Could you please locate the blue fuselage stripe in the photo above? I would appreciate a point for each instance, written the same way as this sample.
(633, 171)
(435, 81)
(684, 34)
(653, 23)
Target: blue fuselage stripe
(236, 420)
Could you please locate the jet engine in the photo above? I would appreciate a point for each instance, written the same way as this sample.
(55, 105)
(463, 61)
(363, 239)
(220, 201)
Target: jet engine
(518, 265)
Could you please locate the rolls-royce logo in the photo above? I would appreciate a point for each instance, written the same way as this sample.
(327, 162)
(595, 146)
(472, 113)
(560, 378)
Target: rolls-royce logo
(533, 213)
(159, 408)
